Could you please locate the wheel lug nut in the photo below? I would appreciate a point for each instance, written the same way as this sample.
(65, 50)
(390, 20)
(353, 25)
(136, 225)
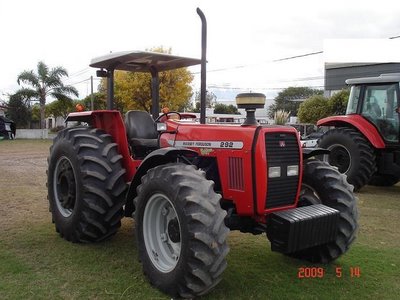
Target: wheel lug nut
(164, 237)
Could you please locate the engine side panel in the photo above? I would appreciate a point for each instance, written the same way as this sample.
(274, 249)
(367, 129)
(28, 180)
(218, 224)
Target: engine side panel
(231, 146)
(241, 156)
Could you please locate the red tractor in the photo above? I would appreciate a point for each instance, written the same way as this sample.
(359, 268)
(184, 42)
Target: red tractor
(364, 144)
(187, 184)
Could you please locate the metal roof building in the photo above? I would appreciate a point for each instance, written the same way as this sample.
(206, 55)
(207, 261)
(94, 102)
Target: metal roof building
(337, 73)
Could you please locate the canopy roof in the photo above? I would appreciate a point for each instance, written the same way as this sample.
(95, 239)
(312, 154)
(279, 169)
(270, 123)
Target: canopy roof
(384, 78)
(140, 61)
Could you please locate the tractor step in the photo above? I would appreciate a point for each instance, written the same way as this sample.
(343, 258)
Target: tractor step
(302, 227)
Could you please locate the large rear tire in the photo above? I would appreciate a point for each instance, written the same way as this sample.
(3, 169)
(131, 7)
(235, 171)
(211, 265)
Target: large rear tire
(351, 153)
(85, 185)
(180, 230)
(324, 185)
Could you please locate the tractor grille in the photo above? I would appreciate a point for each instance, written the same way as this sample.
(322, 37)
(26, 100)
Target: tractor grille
(282, 150)
(236, 181)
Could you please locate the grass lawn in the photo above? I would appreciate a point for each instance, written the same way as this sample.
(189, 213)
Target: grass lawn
(35, 263)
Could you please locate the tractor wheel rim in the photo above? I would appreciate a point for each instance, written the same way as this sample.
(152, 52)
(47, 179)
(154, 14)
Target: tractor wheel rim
(64, 186)
(339, 157)
(308, 196)
(162, 233)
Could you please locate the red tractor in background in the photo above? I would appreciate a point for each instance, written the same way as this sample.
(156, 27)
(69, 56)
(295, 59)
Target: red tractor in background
(364, 144)
(187, 184)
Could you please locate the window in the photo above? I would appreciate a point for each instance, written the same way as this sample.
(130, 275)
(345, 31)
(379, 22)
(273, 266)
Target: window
(380, 102)
(353, 100)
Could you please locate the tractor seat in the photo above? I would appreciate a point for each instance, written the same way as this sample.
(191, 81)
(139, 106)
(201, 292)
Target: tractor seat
(141, 130)
(376, 109)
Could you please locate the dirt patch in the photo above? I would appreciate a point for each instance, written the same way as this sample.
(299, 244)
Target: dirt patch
(23, 193)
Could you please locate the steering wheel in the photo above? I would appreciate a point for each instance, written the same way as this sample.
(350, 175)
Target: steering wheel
(165, 115)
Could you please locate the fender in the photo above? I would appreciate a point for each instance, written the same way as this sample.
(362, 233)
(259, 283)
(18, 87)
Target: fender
(310, 152)
(155, 158)
(111, 122)
(361, 124)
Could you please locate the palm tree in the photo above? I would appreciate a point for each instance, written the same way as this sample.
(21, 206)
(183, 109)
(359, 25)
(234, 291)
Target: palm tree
(45, 83)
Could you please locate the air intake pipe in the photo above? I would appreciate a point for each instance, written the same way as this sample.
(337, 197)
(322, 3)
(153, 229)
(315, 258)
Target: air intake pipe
(250, 102)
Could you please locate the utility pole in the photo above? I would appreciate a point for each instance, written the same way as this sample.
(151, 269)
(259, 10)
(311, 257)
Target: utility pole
(91, 93)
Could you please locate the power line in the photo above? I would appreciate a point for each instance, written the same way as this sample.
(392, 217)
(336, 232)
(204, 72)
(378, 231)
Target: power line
(80, 72)
(298, 56)
(317, 77)
(263, 62)
(275, 60)
(257, 88)
(311, 78)
(75, 83)
(87, 79)
(75, 74)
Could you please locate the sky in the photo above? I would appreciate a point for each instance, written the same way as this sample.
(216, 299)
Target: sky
(246, 39)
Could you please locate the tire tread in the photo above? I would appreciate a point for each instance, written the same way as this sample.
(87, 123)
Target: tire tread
(101, 173)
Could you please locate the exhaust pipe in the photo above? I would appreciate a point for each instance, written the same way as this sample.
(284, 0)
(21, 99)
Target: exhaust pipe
(203, 76)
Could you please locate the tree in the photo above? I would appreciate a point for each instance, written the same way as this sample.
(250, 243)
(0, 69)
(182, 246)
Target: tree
(60, 108)
(313, 109)
(318, 107)
(290, 98)
(99, 101)
(211, 99)
(43, 84)
(221, 108)
(35, 112)
(338, 102)
(18, 111)
(132, 90)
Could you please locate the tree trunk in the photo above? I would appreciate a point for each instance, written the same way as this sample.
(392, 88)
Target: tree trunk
(42, 113)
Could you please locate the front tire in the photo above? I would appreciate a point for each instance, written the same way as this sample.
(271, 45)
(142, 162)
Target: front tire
(324, 185)
(85, 185)
(351, 153)
(180, 230)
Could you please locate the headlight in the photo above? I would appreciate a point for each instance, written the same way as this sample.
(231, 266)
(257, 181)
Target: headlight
(274, 172)
(161, 126)
(292, 170)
